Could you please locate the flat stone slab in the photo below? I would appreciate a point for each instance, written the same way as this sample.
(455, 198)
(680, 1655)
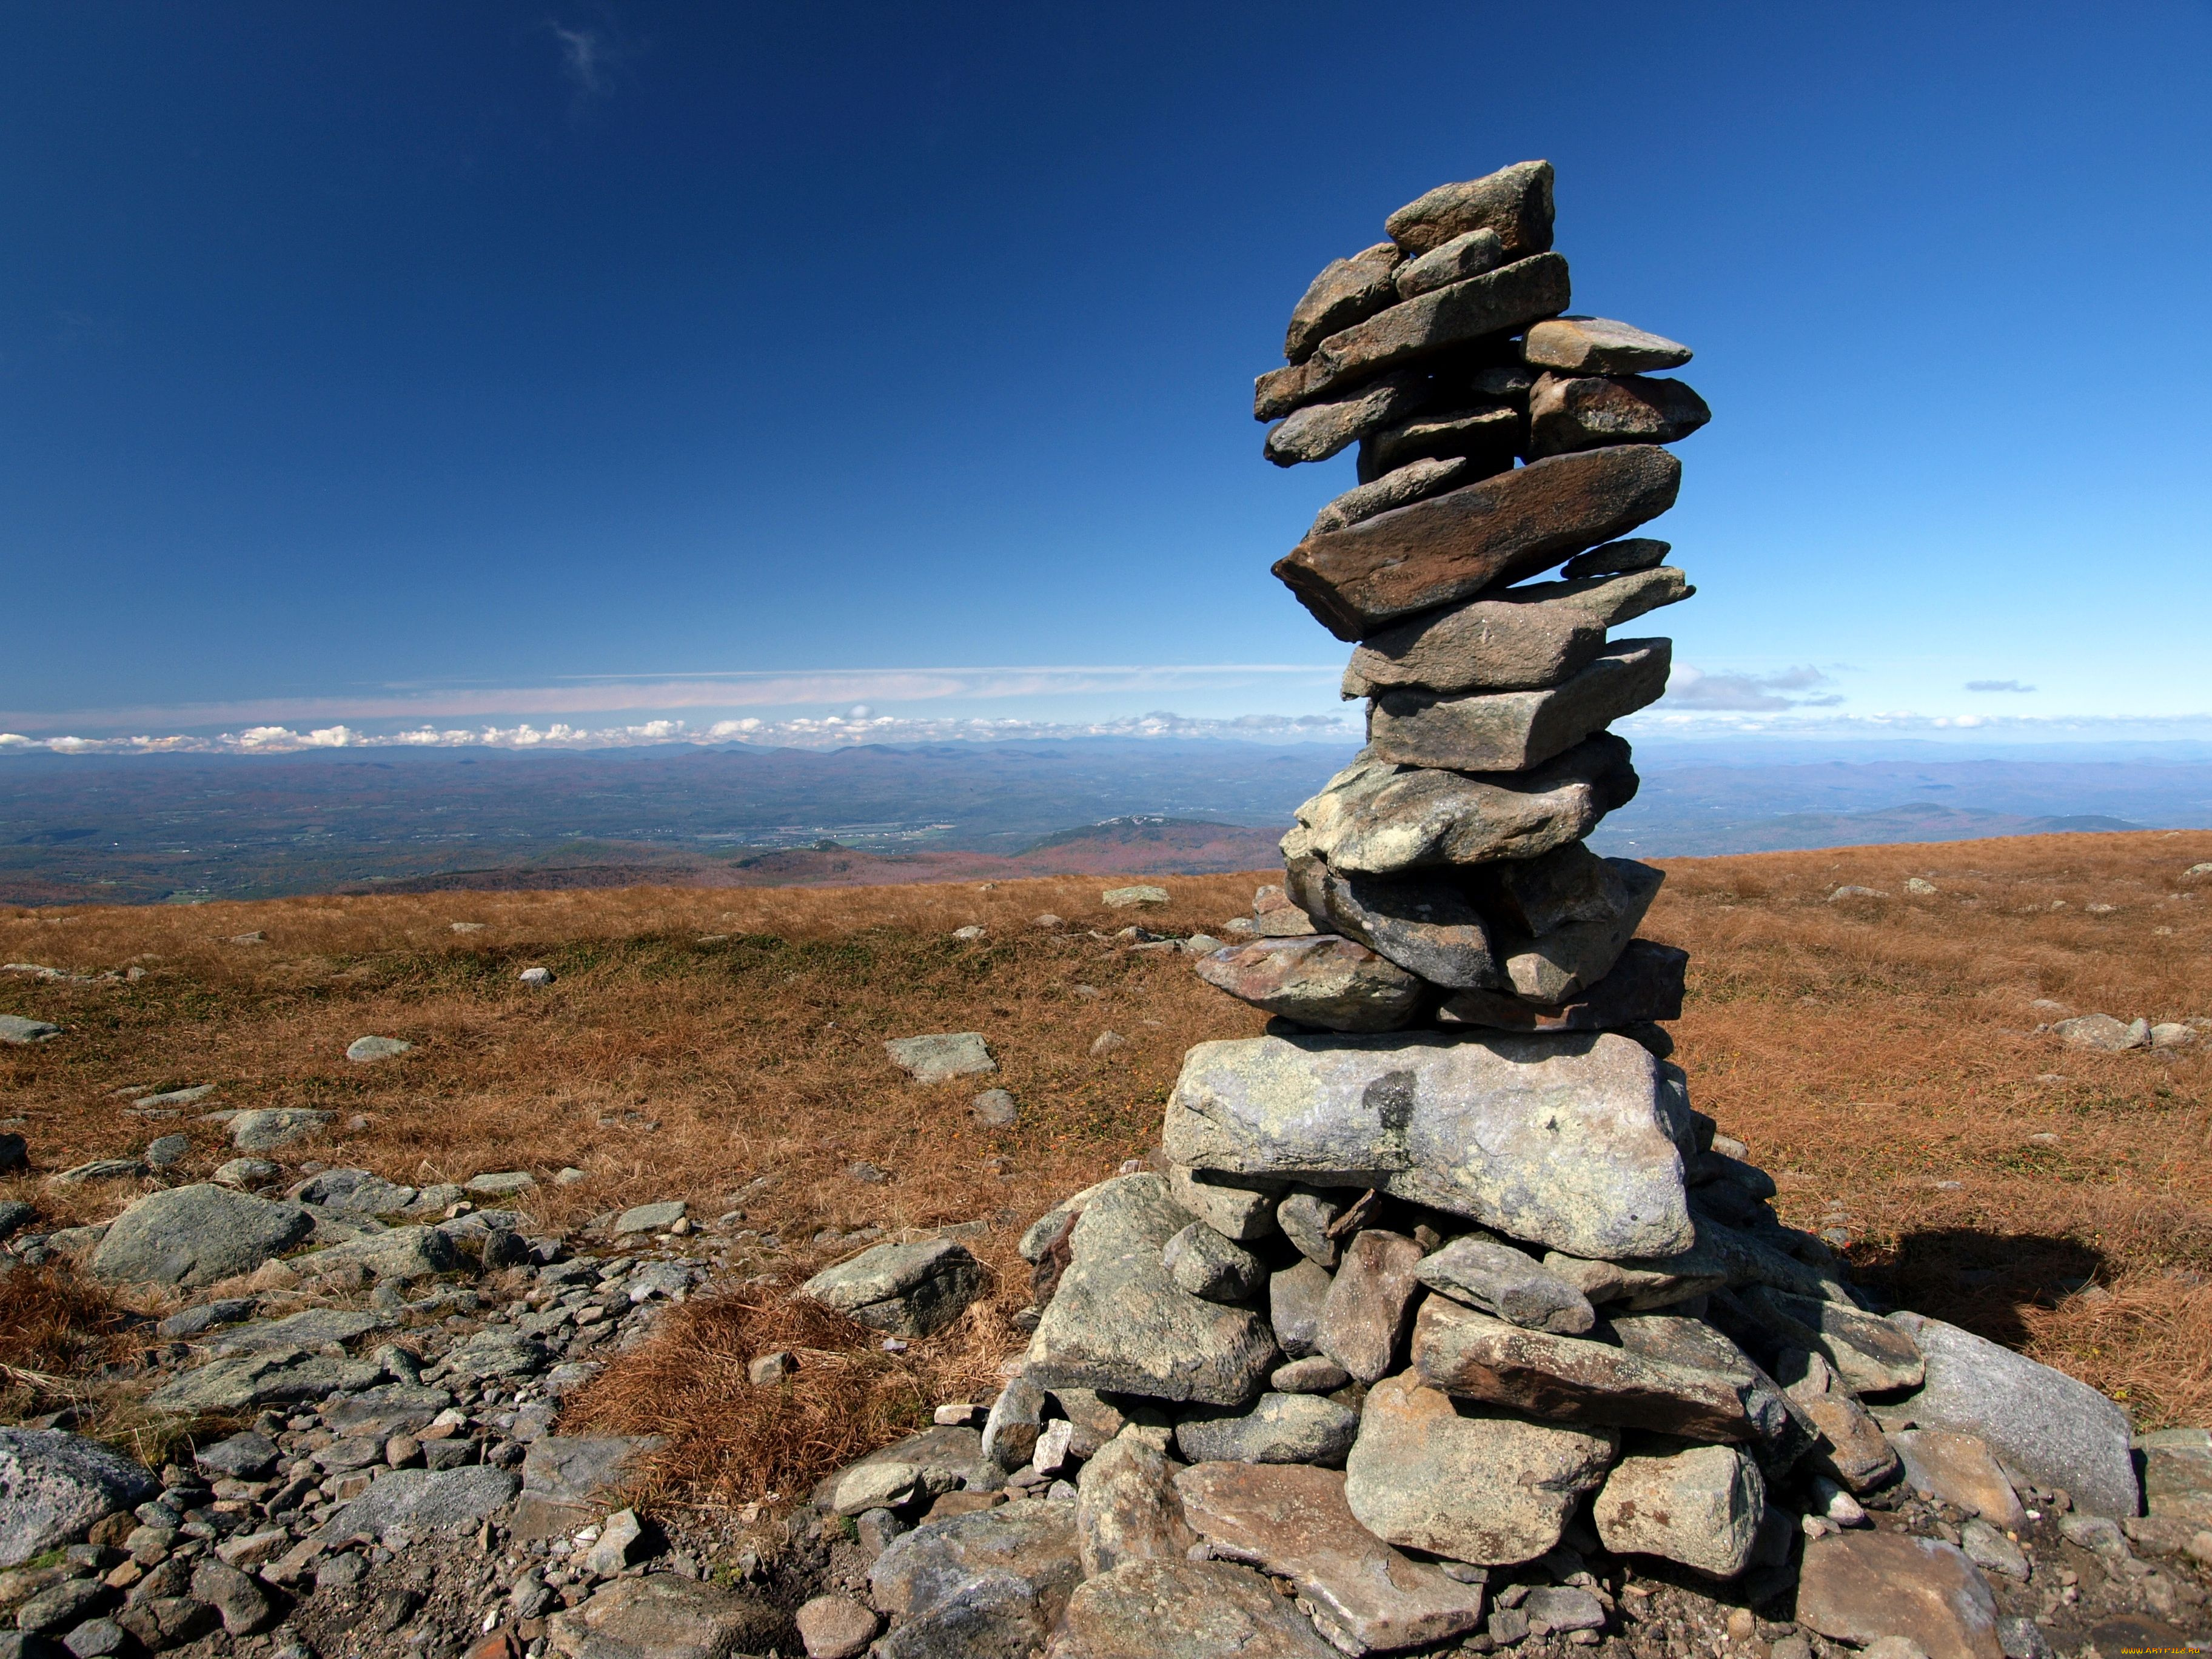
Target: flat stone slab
(1347, 291)
(1567, 1379)
(14, 1028)
(1380, 818)
(1522, 639)
(2054, 1429)
(1497, 301)
(1122, 898)
(1571, 412)
(957, 1451)
(193, 1236)
(1514, 731)
(941, 1056)
(1871, 1354)
(1359, 579)
(267, 1127)
(1600, 345)
(1292, 1521)
(354, 1192)
(1320, 979)
(1858, 1587)
(1154, 1609)
(1119, 1323)
(911, 1290)
(1959, 1469)
(662, 1616)
(1422, 921)
(309, 1330)
(1280, 1428)
(1562, 1142)
(651, 1218)
(277, 1376)
(1499, 1279)
(53, 1485)
(1318, 430)
(1467, 1482)
(419, 1501)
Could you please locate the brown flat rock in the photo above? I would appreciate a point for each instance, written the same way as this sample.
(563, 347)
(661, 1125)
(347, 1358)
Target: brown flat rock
(1514, 730)
(1292, 1521)
(1450, 547)
(1155, 1609)
(1347, 291)
(1370, 1303)
(1600, 345)
(1515, 202)
(1499, 301)
(1571, 1379)
(1568, 412)
(1319, 980)
(1520, 639)
(1962, 1471)
(1858, 1587)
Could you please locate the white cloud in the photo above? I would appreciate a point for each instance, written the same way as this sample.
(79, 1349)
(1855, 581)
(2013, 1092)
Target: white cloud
(1998, 686)
(1691, 688)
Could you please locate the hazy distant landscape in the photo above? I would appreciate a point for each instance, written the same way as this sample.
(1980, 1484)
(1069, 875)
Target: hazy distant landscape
(180, 829)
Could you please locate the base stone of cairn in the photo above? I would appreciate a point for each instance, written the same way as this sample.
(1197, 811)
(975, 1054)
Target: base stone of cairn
(1442, 1280)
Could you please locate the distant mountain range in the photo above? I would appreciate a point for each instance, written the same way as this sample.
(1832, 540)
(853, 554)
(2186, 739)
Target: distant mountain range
(129, 829)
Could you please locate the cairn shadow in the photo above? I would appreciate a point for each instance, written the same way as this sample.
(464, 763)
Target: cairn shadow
(1984, 1281)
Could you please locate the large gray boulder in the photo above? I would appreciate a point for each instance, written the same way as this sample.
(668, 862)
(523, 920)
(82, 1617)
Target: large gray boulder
(1155, 1609)
(194, 1235)
(1520, 640)
(1380, 818)
(1467, 1482)
(1514, 731)
(2054, 1429)
(1120, 1322)
(1292, 1521)
(989, 1585)
(909, 1289)
(54, 1485)
(1561, 1140)
(354, 1192)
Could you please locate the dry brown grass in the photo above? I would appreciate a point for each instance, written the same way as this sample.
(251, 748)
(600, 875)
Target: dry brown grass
(57, 1329)
(730, 1442)
(1873, 1053)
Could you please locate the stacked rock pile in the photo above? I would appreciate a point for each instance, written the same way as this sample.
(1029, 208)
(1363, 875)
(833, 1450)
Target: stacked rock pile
(1441, 1280)
(1442, 878)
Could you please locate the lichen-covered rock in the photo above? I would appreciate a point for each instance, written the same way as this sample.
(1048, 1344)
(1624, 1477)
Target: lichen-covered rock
(1120, 1324)
(909, 1289)
(1281, 1428)
(54, 1485)
(1700, 1505)
(1467, 1482)
(1500, 1279)
(1319, 980)
(194, 1235)
(1561, 1140)
(1154, 1609)
(1858, 1587)
(988, 1585)
(1126, 1508)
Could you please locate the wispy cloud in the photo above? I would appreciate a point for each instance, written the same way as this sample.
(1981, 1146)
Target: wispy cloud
(585, 59)
(1690, 688)
(1998, 686)
(583, 696)
(828, 732)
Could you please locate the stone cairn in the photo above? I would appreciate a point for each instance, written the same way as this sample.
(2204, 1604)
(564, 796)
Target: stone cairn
(1442, 1278)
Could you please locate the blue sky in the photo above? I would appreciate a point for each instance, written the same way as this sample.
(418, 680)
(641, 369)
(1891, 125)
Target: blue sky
(379, 367)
